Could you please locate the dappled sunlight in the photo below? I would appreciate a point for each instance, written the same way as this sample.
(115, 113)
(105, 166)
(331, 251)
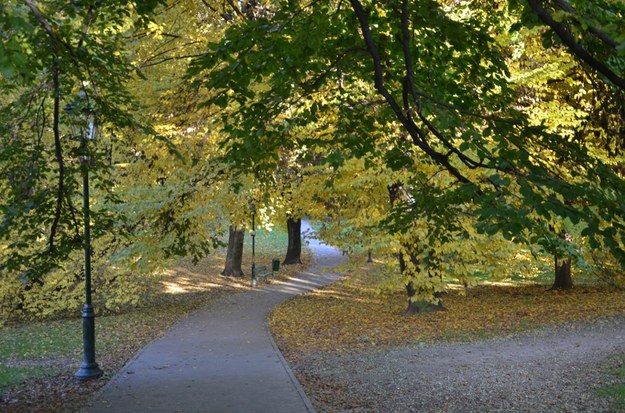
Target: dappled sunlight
(186, 278)
(291, 281)
(185, 285)
(203, 277)
(294, 285)
(348, 295)
(509, 283)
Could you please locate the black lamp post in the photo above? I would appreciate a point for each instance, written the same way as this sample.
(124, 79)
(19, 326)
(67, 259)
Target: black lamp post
(253, 209)
(88, 368)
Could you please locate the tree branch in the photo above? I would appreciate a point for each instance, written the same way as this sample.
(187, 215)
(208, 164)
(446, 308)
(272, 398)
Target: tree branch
(88, 19)
(405, 29)
(576, 48)
(48, 28)
(417, 134)
(39, 16)
(236, 9)
(604, 37)
(59, 156)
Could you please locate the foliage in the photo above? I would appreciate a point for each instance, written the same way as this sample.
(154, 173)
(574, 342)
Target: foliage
(592, 32)
(437, 131)
(60, 50)
(57, 51)
(145, 209)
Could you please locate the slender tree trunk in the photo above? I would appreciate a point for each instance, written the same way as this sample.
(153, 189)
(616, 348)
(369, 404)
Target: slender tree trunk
(294, 249)
(369, 258)
(563, 279)
(417, 306)
(414, 305)
(234, 254)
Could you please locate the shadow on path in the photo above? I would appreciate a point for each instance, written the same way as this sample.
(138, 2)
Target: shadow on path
(221, 358)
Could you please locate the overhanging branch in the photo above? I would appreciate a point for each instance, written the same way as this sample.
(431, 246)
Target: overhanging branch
(568, 39)
(59, 156)
(418, 136)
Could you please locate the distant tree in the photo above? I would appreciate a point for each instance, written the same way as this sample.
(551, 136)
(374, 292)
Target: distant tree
(234, 253)
(294, 248)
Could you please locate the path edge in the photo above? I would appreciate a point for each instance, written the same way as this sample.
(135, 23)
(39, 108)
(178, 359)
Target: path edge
(298, 386)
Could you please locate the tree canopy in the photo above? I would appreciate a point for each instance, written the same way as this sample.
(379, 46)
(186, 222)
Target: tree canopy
(420, 129)
(425, 87)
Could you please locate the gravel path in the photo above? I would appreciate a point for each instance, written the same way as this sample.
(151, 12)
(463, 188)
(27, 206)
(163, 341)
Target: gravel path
(552, 370)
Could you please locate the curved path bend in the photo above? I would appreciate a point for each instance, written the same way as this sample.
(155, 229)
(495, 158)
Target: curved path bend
(221, 358)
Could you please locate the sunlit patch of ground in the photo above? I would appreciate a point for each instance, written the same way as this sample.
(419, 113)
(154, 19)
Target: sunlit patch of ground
(186, 277)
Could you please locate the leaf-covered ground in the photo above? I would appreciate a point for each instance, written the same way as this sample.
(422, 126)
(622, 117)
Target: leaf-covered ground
(353, 316)
(38, 359)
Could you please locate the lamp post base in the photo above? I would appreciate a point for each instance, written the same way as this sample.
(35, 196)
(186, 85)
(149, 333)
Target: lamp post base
(89, 368)
(89, 371)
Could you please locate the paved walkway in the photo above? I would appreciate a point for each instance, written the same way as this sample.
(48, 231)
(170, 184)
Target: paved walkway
(220, 359)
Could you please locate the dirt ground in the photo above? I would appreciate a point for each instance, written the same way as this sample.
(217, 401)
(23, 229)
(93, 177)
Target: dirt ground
(552, 370)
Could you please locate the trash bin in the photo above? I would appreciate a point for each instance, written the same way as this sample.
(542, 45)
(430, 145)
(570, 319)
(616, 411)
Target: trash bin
(275, 265)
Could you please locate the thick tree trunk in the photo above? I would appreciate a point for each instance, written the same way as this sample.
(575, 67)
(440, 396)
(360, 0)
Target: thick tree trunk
(294, 249)
(563, 280)
(234, 254)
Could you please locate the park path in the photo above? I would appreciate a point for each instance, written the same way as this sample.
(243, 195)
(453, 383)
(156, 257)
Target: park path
(221, 358)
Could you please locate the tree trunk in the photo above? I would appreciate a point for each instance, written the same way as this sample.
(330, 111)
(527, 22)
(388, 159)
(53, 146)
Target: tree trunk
(563, 280)
(369, 258)
(414, 306)
(417, 306)
(294, 249)
(234, 254)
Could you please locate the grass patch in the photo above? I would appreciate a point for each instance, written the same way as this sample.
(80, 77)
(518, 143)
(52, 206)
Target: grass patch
(616, 392)
(40, 339)
(267, 243)
(353, 316)
(11, 376)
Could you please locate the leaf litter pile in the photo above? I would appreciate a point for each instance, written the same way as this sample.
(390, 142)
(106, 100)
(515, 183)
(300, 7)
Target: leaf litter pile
(353, 316)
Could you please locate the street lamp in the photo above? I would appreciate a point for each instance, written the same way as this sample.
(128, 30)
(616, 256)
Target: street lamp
(88, 368)
(253, 209)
